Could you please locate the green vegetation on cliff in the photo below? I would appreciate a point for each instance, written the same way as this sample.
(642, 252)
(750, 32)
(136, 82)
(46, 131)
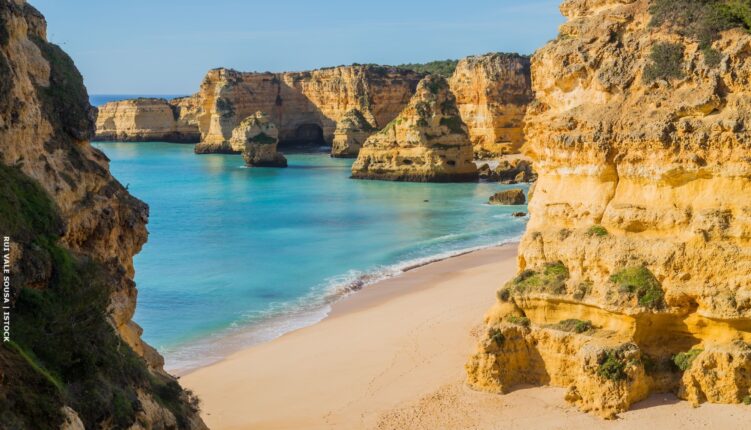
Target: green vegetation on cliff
(443, 68)
(64, 351)
(641, 283)
(702, 20)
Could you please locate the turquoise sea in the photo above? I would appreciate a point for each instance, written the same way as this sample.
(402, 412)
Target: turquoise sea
(238, 256)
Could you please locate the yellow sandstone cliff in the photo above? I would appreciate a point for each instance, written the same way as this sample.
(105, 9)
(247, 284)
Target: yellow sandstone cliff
(635, 269)
(74, 353)
(427, 142)
(149, 119)
(306, 106)
(492, 92)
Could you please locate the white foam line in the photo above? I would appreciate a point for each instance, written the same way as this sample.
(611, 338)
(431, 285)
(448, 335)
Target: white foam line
(283, 318)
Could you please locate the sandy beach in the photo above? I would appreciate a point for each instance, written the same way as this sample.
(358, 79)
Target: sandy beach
(392, 357)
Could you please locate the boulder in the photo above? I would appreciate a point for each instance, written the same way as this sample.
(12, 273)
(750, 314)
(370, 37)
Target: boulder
(509, 197)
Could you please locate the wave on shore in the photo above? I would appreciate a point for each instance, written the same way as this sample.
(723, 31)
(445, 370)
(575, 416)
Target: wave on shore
(282, 318)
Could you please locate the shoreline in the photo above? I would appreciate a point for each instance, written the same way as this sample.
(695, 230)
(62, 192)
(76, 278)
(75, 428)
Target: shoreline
(393, 357)
(234, 340)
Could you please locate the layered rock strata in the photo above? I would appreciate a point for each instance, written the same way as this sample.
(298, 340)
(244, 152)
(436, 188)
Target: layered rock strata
(350, 134)
(74, 354)
(256, 138)
(634, 269)
(492, 92)
(149, 119)
(427, 142)
(306, 106)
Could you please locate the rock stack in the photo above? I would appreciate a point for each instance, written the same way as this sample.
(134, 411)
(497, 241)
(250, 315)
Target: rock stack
(427, 142)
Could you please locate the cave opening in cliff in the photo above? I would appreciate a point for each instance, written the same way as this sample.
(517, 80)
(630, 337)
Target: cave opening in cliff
(305, 137)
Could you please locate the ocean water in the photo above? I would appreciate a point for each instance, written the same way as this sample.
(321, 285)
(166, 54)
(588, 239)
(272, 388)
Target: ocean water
(238, 256)
(100, 99)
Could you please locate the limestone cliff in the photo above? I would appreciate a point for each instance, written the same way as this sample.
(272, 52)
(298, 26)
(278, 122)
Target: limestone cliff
(427, 142)
(492, 92)
(352, 130)
(635, 267)
(256, 138)
(306, 106)
(73, 352)
(149, 119)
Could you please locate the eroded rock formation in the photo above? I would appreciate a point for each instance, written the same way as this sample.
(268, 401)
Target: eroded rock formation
(75, 355)
(635, 267)
(492, 92)
(350, 134)
(149, 119)
(427, 142)
(256, 138)
(306, 106)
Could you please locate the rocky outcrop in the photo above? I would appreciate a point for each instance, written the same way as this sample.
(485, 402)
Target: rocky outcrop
(75, 357)
(149, 119)
(427, 142)
(306, 106)
(350, 134)
(492, 92)
(508, 197)
(256, 138)
(635, 264)
(509, 171)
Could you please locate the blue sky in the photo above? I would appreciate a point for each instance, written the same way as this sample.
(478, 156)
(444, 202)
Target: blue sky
(166, 46)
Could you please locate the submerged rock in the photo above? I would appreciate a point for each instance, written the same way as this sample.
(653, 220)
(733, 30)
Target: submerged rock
(427, 142)
(257, 138)
(508, 197)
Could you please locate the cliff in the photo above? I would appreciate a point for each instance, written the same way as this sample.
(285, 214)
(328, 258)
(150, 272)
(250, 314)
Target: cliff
(634, 269)
(149, 119)
(72, 353)
(492, 93)
(306, 106)
(427, 142)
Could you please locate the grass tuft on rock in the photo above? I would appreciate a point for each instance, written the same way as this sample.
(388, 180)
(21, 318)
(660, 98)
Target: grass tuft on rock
(518, 320)
(550, 279)
(612, 366)
(574, 326)
(666, 63)
(597, 230)
(640, 282)
(684, 359)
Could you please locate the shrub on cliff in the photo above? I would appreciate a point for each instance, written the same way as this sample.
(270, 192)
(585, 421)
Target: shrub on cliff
(666, 62)
(551, 279)
(641, 283)
(684, 359)
(64, 351)
(702, 20)
(443, 68)
(574, 326)
(612, 366)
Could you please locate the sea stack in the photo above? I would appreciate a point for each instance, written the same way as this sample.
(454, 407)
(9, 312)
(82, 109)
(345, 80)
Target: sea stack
(427, 142)
(634, 269)
(492, 92)
(256, 138)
